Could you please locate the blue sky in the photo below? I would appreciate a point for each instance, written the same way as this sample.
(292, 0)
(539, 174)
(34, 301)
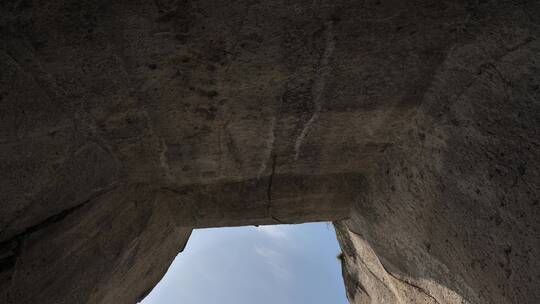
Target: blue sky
(279, 264)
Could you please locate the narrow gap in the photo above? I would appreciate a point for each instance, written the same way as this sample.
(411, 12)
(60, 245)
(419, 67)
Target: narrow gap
(286, 264)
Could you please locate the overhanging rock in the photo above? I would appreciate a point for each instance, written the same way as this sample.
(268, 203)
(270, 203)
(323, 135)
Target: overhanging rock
(414, 125)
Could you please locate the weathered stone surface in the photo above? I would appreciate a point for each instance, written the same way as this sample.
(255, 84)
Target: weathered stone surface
(415, 125)
(110, 250)
(452, 210)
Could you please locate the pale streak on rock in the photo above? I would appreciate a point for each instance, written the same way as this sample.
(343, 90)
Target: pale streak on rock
(164, 163)
(318, 88)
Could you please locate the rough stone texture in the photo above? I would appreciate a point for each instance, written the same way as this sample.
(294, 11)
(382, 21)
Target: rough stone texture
(125, 124)
(451, 211)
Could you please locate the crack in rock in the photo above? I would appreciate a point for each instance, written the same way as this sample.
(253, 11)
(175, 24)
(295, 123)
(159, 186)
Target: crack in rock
(420, 289)
(269, 191)
(11, 248)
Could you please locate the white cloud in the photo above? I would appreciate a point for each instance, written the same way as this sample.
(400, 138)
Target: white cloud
(275, 231)
(276, 261)
(267, 253)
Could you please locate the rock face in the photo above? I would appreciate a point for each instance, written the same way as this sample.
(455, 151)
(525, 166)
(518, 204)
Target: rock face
(414, 125)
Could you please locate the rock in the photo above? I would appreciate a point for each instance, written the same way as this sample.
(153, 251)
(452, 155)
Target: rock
(414, 125)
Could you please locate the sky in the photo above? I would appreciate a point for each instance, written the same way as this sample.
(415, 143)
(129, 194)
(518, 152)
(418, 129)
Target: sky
(278, 264)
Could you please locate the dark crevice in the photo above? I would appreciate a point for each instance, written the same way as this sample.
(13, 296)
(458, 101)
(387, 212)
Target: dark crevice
(276, 219)
(10, 249)
(375, 276)
(269, 191)
(420, 289)
(352, 285)
(270, 180)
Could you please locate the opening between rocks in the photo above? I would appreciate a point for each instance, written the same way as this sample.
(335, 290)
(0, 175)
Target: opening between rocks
(293, 264)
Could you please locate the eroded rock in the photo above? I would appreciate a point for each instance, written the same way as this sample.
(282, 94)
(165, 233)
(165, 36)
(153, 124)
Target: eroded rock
(412, 124)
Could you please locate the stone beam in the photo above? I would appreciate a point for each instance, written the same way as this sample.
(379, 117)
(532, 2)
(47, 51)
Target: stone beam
(277, 199)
